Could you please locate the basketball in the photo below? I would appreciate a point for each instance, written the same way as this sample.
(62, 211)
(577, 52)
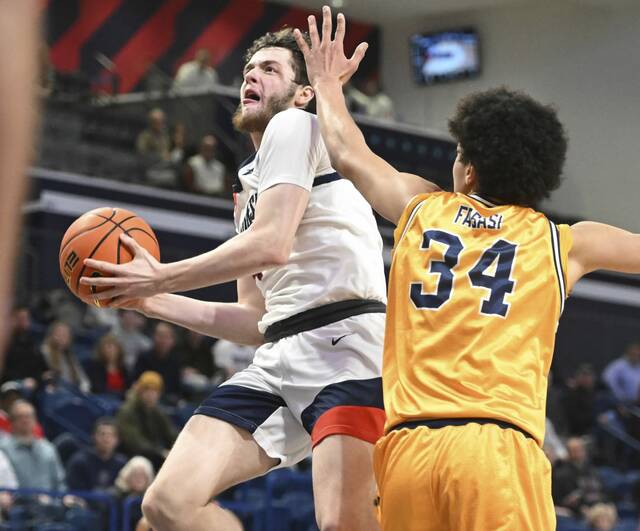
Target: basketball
(96, 235)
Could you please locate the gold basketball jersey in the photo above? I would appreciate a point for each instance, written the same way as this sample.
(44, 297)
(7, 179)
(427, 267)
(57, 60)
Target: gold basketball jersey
(475, 294)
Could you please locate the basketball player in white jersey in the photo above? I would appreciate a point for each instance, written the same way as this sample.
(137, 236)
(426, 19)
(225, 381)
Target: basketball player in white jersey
(311, 288)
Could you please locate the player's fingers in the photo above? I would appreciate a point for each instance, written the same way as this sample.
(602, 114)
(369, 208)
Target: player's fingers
(103, 267)
(102, 281)
(107, 294)
(130, 243)
(302, 44)
(326, 25)
(313, 32)
(341, 27)
(358, 54)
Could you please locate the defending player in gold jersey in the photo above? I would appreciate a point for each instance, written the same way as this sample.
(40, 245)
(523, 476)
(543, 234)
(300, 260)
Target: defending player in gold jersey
(477, 285)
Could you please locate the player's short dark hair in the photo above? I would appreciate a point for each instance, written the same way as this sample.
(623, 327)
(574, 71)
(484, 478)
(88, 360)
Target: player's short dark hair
(283, 39)
(516, 144)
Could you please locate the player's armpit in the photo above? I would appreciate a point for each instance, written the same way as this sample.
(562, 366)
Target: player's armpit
(599, 246)
(278, 213)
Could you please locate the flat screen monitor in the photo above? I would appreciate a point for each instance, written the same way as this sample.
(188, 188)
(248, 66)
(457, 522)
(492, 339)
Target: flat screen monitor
(445, 55)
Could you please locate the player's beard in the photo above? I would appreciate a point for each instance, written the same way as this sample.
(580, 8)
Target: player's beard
(257, 121)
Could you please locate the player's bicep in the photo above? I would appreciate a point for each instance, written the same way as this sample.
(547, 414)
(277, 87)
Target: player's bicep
(599, 246)
(387, 190)
(279, 211)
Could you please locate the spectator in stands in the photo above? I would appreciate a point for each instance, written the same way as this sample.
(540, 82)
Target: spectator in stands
(133, 340)
(61, 361)
(107, 371)
(575, 483)
(204, 173)
(163, 359)
(602, 517)
(8, 480)
(24, 361)
(178, 144)
(9, 393)
(144, 428)
(580, 401)
(98, 467)
(134, 480)
(154, 146)
(200, 372)
(371, 101)
(232, 357)
(154, 141)
(196, 74)
(553, 445)
(35, 461)
(622, 375)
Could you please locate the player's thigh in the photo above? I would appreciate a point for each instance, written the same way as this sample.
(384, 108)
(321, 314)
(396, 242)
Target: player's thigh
(343, 482)
(494, 478)
(209, 456)
(403, 463)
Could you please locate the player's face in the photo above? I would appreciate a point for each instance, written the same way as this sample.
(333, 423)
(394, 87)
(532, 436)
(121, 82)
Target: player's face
(267, 89)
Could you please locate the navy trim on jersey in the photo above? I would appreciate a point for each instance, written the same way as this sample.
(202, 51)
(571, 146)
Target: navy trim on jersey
(327, 178)
(364, 393)
(240, 406)
(557, 262)
(236, 186)
(482, 200)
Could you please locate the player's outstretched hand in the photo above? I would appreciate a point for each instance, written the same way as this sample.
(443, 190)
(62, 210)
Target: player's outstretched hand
(325, 58)
(142, 277)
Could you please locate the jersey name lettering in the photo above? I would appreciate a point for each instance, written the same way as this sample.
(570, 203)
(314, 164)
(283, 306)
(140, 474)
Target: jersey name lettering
(249, 212)
(472, 218)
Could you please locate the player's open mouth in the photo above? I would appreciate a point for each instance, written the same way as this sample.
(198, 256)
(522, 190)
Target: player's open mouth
(250, 97)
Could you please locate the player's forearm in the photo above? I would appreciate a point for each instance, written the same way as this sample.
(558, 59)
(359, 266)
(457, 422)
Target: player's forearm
(246, 254)
(234, 322)
(18, 52)
(340, 133)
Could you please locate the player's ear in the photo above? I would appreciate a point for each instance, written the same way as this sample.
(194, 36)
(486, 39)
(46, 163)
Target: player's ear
(304, 94)
(470, 176)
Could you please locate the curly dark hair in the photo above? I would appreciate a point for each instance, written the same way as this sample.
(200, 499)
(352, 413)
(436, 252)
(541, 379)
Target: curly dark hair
(516, 144)
(283, 39)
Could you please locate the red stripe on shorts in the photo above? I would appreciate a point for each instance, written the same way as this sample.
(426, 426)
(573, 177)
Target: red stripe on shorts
(361, 422)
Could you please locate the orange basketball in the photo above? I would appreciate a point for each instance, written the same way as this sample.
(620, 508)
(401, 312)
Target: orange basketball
(96, 235)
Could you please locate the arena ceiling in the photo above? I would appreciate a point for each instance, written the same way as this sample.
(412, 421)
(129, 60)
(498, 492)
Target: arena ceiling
(377, 11)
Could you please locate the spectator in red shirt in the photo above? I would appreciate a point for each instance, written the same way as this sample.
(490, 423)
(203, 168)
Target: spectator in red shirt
(107, 372)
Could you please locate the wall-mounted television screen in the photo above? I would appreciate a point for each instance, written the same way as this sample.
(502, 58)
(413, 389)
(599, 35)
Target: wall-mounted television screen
(445, 55)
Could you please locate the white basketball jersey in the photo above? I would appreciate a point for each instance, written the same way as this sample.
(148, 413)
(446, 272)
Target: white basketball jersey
(337, 250)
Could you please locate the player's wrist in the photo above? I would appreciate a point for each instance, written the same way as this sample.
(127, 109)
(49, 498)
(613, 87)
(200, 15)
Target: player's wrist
(327, 83)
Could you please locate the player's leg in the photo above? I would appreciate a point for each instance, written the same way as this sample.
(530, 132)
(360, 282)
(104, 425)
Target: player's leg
(343, 484)
(209, 456)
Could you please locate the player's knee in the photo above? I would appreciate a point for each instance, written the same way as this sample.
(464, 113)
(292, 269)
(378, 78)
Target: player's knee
(160, 508)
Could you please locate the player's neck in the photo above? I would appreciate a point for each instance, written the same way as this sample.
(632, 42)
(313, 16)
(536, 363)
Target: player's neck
(256, 138)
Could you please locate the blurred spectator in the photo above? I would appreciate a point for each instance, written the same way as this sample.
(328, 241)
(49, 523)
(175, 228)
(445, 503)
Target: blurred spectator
(10, 392)
(196, 74)
(96, 317)
(129, 333)
(553, 445)
(106, 371)
(35, 461)
(98, 467)
(575, 483)
(163, 359)
(8, 480)
(602, 517)
(154, 140)
(622, 375)
(203, 172)
(371, 101)
(232, 357)
(580, 401)
(154, 145)
(555, 405)
(134, 480)
(144, 428)
(23, 361)
(61, 361)
(178, 143)
(200, 372)
(46, 75)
